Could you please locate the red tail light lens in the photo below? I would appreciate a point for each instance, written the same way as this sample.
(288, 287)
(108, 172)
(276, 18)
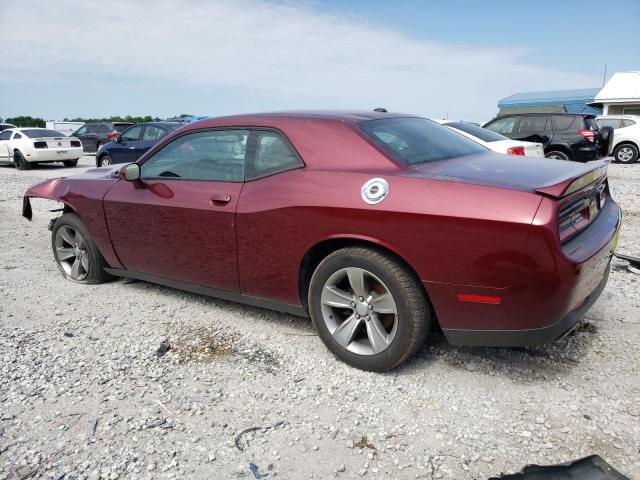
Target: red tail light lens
(588, 134)
(112, 135)
(515, 150)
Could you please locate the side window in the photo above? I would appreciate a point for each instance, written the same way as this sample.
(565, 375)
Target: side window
(537, 123)
(131, 135)
(82, 130)
(92, 129)
(161, 134)
(502, 125)
(272, 155)
(151, 133)
(217, 155)
(17, 136)
(609, 122)
(627, 123)
(6, 135)
(562, 122)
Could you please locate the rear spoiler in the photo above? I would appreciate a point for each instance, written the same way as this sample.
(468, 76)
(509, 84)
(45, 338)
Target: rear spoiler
(585, 174)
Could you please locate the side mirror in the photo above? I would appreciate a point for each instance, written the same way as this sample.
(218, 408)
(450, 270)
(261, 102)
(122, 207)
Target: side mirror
(131, 172)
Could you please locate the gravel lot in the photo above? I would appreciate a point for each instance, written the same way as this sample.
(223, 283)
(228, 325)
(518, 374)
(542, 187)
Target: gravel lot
(84, 395)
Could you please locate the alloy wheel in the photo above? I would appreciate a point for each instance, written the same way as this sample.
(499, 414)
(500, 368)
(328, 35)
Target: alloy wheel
(359, 311)
(105, 161)
(625, 154)
(71, 253)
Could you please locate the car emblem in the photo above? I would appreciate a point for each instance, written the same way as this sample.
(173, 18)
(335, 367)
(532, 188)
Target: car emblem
(375, 190)
(59, 144)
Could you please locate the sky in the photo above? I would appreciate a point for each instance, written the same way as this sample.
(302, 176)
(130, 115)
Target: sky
(446, 59)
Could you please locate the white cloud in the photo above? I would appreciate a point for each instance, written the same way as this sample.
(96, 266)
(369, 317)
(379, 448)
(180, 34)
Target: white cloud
(283, 55)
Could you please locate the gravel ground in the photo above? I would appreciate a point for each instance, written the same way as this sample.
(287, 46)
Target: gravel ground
(84, 394)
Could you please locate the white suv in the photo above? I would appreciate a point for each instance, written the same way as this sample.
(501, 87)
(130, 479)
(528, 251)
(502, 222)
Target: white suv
(626, 136)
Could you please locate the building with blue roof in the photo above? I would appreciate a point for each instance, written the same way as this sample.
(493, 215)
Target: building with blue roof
(568, 101)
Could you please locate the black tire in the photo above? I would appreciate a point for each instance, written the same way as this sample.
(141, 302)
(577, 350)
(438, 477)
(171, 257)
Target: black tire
(20, 162)
(97, 263)
(605, 137)
(625, 153)
(557, 155)
(71, 163)
(104, 161)
(414, 313)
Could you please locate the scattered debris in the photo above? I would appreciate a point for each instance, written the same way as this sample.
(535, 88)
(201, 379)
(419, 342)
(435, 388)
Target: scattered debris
(364, 443)
(68, 334)
(256, 473)
(634, 262)
(164, 347)
(94, 428)
(253, 429)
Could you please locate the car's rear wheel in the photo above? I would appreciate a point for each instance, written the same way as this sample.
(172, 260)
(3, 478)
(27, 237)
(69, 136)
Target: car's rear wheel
(557, 155)
(75, 252)
(71, 163)
(626, 153)
(369, 308)
(105, 161)
(20, 162)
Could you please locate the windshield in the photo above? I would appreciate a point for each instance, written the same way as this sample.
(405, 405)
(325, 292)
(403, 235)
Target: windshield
(413, 140)
(478, 132)
(37, 133)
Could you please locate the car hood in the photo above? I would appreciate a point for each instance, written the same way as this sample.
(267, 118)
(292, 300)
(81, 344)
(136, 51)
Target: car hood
(515, 172)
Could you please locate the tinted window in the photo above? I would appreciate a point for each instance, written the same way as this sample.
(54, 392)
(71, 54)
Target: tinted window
(478, 132)
(609, 122)
(631, 111)
(532, 124)
(627, 123)
(17, 136)
(151, 133)
(214, 155)
(562, 122)
(272, 155)
(98, 128)
(502, 125)
(5, 135)
(81, 131)
(34, 133)
(413, 141)
(131, 135)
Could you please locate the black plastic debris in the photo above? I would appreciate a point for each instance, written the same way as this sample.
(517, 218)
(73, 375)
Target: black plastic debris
(164, 347)
(634, 262)
(256, 473)
(588, 468)
(237, 442)
(68, 334)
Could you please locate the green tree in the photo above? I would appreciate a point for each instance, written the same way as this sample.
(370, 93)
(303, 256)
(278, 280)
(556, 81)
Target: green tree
(27, 121)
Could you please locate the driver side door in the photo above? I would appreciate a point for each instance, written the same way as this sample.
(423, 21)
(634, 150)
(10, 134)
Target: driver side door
(179, 221)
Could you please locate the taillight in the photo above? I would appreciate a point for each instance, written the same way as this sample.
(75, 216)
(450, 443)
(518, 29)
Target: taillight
(588, 134)
(112, 135)
(75, 143)
(39, 144)
(515, 150)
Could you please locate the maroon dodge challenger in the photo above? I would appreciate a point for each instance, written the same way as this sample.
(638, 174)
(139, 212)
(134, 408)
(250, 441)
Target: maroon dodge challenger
(376, 225)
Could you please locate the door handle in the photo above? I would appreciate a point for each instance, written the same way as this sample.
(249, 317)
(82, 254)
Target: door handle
(131, 148)
(220, 198)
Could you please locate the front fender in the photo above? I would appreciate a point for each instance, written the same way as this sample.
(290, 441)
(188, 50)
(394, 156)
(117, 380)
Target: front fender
(52, 189)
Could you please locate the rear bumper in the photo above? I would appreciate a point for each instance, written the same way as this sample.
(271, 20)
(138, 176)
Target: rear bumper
(529, 337)
(52, 155)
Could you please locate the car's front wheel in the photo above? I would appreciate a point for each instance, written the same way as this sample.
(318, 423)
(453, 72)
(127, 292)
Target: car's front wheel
(105, 161)
(75, 252)
(70, 163)
(625, 153)
(20, 162)
(369, 308)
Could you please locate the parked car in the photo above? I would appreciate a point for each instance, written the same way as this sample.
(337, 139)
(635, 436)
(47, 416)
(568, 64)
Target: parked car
(4, 126)
(133, 142)
(25, 147)
(565, 136)
(626, 136)
(94, 135)
(376, 225)
(494, 141)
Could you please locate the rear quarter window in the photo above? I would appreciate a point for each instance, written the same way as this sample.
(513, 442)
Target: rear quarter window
(562, 122)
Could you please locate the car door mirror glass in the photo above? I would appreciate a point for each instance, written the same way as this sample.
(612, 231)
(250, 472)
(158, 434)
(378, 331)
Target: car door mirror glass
(131, 172)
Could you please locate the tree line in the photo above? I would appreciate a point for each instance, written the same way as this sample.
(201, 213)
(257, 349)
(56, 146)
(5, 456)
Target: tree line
(28, 121)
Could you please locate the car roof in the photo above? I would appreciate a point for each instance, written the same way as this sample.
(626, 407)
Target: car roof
(275, 118)
(161, 124)
(621, 116)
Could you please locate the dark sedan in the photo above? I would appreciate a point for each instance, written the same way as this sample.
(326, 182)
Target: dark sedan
(133, 142)
(378, 226)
